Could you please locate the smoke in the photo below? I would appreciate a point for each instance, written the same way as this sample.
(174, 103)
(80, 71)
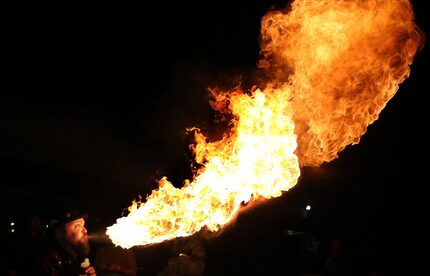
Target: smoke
(99, 237)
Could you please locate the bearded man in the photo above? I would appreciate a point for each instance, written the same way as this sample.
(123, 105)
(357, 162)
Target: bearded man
(66, 247)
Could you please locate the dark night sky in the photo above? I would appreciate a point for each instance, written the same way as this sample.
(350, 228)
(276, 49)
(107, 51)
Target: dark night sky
(96, 98)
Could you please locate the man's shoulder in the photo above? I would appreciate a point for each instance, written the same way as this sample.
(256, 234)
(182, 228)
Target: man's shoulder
(47, 251)
(46, 259)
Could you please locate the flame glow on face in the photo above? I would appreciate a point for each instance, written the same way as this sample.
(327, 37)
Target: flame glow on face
(333, 66)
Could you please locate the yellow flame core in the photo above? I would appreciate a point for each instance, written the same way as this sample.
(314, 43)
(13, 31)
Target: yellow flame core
(256, 159)
(334, 66)
(344, 59)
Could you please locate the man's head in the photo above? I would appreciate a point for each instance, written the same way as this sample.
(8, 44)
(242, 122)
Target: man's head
(70, 232)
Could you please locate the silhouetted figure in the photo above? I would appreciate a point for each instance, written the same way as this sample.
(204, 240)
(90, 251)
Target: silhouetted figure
(337, 263)
(114, 260)
(21, 246)
(30, 244)
(188, 258)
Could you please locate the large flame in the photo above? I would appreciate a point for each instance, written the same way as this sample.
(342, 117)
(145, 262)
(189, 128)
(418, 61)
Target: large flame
(333, 66)
(256, 159)
(344, 60)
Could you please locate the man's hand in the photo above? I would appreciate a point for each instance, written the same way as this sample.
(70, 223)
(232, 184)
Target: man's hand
(90, 271)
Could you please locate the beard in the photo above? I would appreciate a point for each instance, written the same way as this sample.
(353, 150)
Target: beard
(83, 247)
(77, 249)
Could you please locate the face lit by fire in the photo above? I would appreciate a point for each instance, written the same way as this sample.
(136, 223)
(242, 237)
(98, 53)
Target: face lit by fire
(76, 236)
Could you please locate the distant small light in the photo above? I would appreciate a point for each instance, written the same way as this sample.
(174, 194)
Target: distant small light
(12, 230)
(46, 226)
(12, 223)
(308, 207)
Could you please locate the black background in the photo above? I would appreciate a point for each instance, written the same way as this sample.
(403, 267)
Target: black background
(94, 105)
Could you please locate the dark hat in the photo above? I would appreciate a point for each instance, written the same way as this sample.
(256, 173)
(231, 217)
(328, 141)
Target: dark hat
(65, 215)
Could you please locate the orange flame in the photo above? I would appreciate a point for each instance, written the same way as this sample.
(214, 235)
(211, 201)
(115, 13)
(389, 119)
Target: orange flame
(344, 59)
(256, 159)
(333, 66)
